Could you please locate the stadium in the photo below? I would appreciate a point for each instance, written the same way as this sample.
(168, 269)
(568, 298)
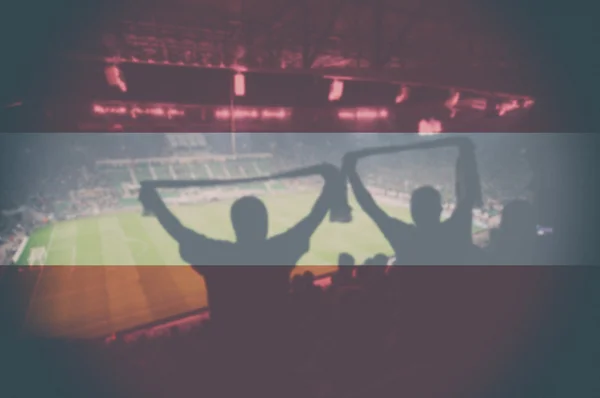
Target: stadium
(102, 237)
(164, 118)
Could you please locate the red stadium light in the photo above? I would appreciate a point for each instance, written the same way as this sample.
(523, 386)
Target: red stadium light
(430, 127)
(452, 102)
(109, 110)
(479, 104)
(225, 114)
(336, 90)
(222, 114)
(157, 111)
(363, 114)
(239, 84)
(246, 114)
(366, 114)
(154, 111)
(265, 114)
(507, 107)
(174, 112)
(274, 114)
(347, 115)
(135, 111)
(114, 77)
(402, 95)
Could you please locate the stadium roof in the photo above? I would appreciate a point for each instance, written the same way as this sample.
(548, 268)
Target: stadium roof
(434, 42)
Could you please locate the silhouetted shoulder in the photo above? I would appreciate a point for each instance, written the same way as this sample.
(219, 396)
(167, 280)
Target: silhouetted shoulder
(459, 226)
(400, 234)
(289, 247)
(197, 249)
(400, 227)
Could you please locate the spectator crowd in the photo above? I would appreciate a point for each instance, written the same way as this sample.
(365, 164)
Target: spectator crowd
(373, 323)
(305, 340)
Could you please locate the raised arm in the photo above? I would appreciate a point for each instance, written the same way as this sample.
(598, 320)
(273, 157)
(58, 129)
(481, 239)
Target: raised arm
(307, 226)
(388, 225)
(152, 201)
(468, 186)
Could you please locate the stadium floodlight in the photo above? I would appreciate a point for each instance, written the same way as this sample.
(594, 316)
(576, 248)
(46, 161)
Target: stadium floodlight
(336, 90)
(158, 112)
(508, 106)
(172, 112)
(479, 104)
(430, 127)
(114, 77)
(225, 114)
(136, 110)
(370, 114)
(112, 110)
(363, 114)
(222, 114)
(528, 103)
(452, 102)
(239, 84)
(279, 114)
(346, 115)
(403, 94)
(154, 111)
(366, 114)
(251, 113)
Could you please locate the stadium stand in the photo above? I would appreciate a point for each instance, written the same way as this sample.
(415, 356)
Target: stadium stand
(340, 345)
(373, 326)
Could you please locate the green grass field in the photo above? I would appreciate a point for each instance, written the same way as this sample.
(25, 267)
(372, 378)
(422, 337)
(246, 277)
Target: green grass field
(129, 271)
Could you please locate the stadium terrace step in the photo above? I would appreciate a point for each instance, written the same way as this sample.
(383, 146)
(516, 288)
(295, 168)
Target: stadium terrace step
(162, 173)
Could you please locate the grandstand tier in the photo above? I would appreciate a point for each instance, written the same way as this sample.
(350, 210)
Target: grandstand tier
(201, 168)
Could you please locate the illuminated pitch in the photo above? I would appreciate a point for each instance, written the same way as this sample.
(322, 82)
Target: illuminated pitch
(93, 301)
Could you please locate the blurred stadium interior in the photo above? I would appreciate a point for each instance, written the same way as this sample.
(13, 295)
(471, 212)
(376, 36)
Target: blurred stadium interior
(206, 89)
(170, 66)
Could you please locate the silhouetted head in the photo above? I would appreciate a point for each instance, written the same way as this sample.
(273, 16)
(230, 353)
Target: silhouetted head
(346, 260)
(380, 260)
(309, 277)
(250, 219)
(308, 280)
(426, 207)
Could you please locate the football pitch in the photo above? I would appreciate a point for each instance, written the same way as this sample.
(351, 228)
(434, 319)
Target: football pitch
(118, 271)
